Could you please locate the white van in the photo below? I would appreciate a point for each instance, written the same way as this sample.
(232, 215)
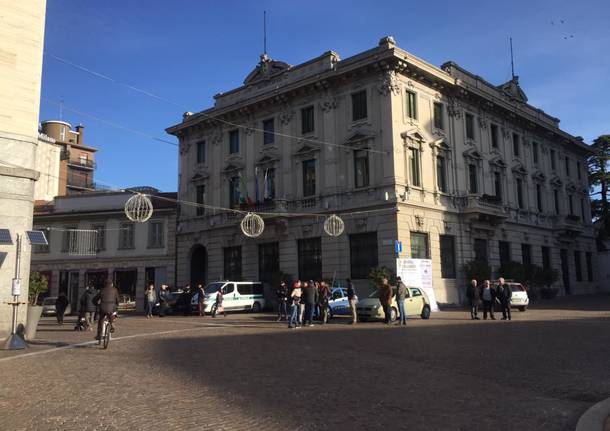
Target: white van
(238, 295)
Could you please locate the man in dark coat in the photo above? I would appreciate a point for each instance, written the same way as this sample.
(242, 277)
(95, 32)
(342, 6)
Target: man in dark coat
(281, 293)
(108, 301)
(61, 303)
(473, 293)
(385, 298)
(87, 306)
(310, 296)
(505, 294)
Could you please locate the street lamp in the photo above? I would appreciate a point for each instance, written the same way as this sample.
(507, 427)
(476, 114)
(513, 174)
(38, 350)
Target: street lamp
(36, 237)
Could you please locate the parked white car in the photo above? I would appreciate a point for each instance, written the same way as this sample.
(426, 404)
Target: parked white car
(238, 296)
(519, 299)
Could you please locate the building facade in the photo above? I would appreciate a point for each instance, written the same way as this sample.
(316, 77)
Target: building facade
(455, 168)
(21, 45)
(130, 254)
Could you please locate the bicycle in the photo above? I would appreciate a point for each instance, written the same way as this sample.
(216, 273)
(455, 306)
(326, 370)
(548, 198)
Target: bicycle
(106, 331)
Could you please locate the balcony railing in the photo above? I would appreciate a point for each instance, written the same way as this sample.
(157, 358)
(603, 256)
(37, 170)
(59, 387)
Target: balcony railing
(80, 181)
(82, 163)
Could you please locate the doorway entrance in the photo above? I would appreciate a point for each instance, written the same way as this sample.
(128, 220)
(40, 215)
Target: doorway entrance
(125, 282)
(199, 265)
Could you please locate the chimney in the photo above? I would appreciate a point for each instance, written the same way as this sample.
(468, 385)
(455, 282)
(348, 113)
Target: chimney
(81, 134)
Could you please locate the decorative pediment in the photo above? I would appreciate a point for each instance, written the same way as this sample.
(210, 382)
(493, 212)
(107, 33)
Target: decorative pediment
(200, 176)
(266, 69)
(518, 168)
(360, 138)
(538, 176)
(232, 168)
(306, 149)
(497, 161)
(555, 181)
(414, 134)
(571, 187)
(512, 90)
(440, 145)
(472, 154)
(267, 159)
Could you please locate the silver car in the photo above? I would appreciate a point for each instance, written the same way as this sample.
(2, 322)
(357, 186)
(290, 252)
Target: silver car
(48, 306)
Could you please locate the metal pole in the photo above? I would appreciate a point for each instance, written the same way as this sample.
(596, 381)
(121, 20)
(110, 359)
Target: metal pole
(14, 341)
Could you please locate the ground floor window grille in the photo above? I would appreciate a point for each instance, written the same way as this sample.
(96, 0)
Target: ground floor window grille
(268, 260)
(363, 254)
(310, 258)
(232, 263)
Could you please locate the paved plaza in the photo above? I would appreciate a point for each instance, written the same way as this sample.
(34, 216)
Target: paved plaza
(540, 371)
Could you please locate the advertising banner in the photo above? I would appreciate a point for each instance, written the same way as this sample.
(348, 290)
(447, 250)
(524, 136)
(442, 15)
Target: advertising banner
(417, 273)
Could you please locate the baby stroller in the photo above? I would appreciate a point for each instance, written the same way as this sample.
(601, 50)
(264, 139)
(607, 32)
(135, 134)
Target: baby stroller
(81, 324)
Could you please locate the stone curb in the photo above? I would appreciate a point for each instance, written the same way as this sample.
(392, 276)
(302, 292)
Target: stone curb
(595, 418)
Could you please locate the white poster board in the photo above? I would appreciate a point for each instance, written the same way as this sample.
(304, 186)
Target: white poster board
(417, 273)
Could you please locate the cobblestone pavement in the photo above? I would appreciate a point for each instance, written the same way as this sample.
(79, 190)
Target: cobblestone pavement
(540, 371)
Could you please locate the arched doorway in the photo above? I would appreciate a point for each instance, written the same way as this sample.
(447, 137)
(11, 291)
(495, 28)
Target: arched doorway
(199, 265)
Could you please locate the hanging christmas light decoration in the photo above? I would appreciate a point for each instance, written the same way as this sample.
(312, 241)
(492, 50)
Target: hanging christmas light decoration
(252, 225)
(333, 225)
(139, 208)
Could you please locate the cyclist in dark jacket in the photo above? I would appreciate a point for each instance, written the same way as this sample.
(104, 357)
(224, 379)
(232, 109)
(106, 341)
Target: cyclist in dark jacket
(108, 301)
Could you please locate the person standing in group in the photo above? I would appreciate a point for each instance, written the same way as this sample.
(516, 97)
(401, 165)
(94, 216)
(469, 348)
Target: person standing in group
(505, 294)
(150, 298)
(61, 304)
(473, 293)
(488, 295)
(281, 294)
(87, 307)
(200, 300)
(401, 295)
(185, 300)
(218, 307)
(295, 297)
(385, 298)
(323, 297)
(310, 296)
(163, 297)
(352, 299)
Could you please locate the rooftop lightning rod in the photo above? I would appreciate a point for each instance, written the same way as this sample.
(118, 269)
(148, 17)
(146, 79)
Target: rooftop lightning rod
(512, 63)
(265, 32)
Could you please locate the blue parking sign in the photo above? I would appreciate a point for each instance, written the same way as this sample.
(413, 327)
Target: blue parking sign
(398, 246)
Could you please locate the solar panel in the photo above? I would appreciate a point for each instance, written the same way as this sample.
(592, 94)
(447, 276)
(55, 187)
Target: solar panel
(5, 237)
(2, 257)
(37, 237)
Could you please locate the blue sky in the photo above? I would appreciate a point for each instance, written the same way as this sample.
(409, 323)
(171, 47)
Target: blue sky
(188, 50)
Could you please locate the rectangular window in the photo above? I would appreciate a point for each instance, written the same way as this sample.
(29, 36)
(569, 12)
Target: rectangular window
(359, 105)
(268, 260)
(68, 238)
(589, 260)
(101, 236)
(307, 121)
(127, 236)
(556, 201)
(419, 246)
(498, 185)
(234, 194)
(539, 198)
(577, 265)
(571, 204)
(200, 199)
(535, 152)
(309, 178)
(232, 263)
(495, 135)
(201, 152)
(441, 173)
(520, 193)
(526, 254)
(268, 131)
(414, 167)
(553, 160)
(472, 177)
(363, 254)
(469, 126)
(411, 105)
(582, 209)
(480, 250)
(516, 145)
(546, 258)
(156, 230)
(447, 256)
(567, 160)
(361, 168)
(579, 170)
(439, 122)
(269, 191)
(234, 141)
(310, 258)
(504, 248)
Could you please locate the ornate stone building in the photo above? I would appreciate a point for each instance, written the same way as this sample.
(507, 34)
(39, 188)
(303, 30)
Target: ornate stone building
(454, 167)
